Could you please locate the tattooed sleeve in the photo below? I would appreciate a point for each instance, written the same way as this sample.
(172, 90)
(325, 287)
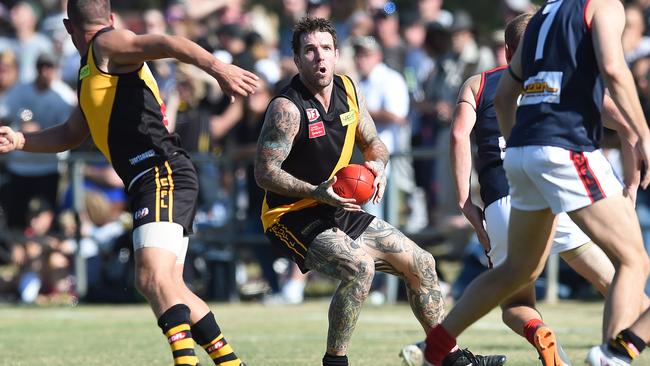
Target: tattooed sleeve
(281, 125)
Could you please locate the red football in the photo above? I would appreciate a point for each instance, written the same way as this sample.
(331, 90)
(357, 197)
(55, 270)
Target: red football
(355, 181)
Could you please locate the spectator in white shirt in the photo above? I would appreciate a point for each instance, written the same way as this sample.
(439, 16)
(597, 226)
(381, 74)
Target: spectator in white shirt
(387, 100)
(32, 106)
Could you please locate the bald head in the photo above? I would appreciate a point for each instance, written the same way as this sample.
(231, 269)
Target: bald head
(83, 13)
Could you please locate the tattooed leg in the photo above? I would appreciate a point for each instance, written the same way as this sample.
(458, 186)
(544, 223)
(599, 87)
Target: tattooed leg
(394, 253)
(335, 254)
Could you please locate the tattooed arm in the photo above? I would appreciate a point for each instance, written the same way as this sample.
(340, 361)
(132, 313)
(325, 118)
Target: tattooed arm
(281, 125)
(373, 149)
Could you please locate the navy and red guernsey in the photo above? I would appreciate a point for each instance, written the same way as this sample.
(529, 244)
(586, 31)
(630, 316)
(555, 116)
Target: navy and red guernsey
(563, 91)
(489, 141)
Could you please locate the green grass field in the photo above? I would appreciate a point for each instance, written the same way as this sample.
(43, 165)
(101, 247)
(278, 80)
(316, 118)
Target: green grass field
(263, 336)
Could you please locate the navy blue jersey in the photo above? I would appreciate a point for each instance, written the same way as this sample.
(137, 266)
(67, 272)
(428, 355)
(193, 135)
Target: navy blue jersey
(489, 141)
(563, 92)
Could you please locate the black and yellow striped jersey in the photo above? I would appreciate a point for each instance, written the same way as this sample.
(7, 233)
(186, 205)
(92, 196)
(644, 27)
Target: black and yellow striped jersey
(323, 145)
(125, 116)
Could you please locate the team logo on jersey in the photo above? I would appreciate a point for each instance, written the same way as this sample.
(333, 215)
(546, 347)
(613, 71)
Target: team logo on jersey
(84, 72)
(545, 87)
(348, 118)
(163, 110)
(139, 214)
(312, 114)
(316, 130)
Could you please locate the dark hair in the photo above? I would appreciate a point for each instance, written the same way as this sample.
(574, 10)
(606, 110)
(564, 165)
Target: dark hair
(515, 30)
(89, 12)
(308, 25)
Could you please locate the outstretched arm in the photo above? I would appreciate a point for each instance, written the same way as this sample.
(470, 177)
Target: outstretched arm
(61, 137)
(374, 151)
(281, 125)
(460, 154)
(126, 48)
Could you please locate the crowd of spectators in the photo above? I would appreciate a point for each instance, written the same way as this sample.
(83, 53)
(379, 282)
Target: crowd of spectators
(409, 62)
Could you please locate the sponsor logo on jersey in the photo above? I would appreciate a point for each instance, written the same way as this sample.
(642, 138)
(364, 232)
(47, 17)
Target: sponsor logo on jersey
(140, 157)
(139, 214)
(348, 118)
(312, 114)
(316, 130)
(545, 87)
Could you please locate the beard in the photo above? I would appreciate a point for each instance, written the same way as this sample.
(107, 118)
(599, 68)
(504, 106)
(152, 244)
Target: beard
(318, 82)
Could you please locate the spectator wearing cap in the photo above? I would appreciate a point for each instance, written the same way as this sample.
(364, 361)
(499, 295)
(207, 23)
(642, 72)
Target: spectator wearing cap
(388, 35)
(28, 43)
(36, 105)
(387, 100)
(472, 58)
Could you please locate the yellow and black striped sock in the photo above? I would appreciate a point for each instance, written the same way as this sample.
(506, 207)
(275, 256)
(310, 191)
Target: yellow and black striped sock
(206, 332)
(627, 344)
(175, 324)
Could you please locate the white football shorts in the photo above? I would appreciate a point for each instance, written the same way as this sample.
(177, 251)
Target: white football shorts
(164, 235)
(557, 178)
(497, 215)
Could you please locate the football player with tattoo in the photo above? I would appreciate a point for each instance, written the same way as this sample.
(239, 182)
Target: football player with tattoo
(309, 133)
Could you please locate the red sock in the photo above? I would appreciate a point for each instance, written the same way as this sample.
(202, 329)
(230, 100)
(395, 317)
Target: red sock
(439, 344)
(529, 329)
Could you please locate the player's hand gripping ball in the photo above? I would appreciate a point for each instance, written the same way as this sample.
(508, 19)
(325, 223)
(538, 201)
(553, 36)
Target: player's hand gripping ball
(355, 181)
